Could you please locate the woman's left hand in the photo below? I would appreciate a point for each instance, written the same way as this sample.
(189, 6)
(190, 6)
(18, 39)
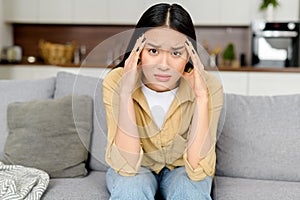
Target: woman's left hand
(196, 76)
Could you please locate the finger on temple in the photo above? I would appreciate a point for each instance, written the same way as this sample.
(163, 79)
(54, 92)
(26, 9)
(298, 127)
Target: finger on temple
(194, 56)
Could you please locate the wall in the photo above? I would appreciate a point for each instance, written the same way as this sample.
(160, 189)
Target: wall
(221, 36)
(89, 36)
(6, 38)
(92, 35)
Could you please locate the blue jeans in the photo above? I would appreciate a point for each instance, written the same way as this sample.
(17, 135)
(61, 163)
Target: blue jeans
(169, 185)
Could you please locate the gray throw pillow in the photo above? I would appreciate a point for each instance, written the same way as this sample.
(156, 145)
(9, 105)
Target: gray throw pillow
(51, 135)
(68, 83)
(260, 137)
(21, 90)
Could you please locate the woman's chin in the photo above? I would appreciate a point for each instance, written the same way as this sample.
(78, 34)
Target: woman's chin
(160, 87)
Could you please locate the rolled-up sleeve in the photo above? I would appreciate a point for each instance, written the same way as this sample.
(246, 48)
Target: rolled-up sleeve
(113, 156)
(206, 166)
(116, 160)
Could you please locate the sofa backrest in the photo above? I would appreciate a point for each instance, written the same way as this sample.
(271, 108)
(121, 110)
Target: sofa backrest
(68, 83)
(259, 137)
(20, 91)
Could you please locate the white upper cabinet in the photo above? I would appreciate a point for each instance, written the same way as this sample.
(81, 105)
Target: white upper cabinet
(235, 12)
(203, 12)
(55, 11)
(90, 12)
(288, 10)
(124, 12)
(24, 11)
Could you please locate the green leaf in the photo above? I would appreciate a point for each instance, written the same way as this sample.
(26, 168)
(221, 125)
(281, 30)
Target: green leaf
(265, 3)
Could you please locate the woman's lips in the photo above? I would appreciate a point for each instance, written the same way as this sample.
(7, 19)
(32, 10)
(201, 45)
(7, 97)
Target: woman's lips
(162, 77)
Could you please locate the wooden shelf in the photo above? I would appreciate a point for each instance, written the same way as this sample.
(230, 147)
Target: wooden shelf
(255, 69)
(233, 69)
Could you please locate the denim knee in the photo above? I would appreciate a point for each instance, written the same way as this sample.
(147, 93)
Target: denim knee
(141, 186)
(176, 185)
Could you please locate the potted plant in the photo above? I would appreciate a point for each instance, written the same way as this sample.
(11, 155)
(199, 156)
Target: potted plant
(229, 54)
(268, 7)
(266, 3)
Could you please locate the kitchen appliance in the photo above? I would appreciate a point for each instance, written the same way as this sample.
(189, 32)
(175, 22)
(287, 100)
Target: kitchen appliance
(11, 54)
(275, 44)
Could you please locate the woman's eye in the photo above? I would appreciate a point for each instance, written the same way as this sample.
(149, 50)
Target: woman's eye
(153, 51)
(176, 53)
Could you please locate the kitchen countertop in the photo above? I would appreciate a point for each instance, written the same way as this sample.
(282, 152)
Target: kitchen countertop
(255, 69)
(232, 69)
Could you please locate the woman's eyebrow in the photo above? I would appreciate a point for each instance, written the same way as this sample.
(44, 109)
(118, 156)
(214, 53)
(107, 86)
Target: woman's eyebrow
(154, 45)
(159, 46)
(177, 48)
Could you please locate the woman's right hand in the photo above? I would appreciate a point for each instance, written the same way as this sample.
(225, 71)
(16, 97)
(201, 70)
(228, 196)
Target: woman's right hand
(132, 68)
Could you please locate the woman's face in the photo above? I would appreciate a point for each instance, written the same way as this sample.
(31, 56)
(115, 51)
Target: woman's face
(163, 58)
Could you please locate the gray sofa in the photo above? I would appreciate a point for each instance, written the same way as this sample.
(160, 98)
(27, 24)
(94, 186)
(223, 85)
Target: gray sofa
(257, 147)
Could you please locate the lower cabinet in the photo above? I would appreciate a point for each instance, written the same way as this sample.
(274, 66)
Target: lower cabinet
(25, 72)
(237, 82)
(233, 82)
(259, 83)
(264, 83)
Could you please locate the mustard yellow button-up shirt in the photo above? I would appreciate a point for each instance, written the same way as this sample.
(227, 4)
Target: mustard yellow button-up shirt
(165, 147)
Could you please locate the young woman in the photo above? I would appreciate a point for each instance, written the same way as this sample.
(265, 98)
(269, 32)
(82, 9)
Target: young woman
(162, 112)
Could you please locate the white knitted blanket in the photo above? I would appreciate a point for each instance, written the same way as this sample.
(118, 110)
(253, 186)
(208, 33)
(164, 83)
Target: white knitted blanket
(19, 182)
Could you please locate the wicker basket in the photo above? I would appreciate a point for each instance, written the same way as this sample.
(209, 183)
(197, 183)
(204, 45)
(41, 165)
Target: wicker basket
(54, 53)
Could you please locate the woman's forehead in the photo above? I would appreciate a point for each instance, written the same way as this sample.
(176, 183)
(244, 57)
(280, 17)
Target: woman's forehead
(165, 37)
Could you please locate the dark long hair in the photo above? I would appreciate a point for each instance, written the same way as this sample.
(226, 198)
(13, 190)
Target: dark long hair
(157, 16)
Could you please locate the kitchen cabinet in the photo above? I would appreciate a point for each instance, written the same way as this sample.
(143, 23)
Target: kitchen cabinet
(38, 11)
(26, 72)
(233, 82)
(265, 83)
(219, 12)
(22, 11)
(123, 12)
(259, 83)
(55, 11)
(90, 12)
(235, 12)
(203, 12)
(236, 82)
(288, 10)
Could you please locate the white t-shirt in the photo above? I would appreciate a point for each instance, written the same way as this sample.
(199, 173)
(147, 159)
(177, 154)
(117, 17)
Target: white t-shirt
(159, 103)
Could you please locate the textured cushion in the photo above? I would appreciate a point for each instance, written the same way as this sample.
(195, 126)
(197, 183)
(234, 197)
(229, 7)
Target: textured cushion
(51, 135)
(21, 90)
(68, 83)
(226, 188)
(260, 138)
(91, 187)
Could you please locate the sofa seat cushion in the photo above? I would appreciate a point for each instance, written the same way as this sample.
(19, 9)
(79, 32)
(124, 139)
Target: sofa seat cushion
(68, 83)
(260, 137)
(21, 90)
(248, 189)
(91, 187)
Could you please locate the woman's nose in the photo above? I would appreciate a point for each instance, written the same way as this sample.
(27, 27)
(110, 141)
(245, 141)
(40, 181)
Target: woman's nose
(164, 61)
